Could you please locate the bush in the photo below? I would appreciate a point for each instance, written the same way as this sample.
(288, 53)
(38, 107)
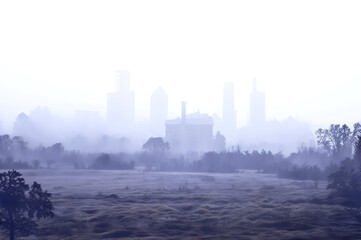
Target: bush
(347, 180)
(9, 163)
(111, 162)
(304, 172)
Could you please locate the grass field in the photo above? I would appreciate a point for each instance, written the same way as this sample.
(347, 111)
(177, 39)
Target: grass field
(148, 205)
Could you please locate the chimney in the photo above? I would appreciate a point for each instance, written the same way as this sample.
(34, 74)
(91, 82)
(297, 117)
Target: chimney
(254, 85)
(184, 111)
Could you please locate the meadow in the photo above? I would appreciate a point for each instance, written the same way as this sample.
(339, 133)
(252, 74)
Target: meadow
(113, 204)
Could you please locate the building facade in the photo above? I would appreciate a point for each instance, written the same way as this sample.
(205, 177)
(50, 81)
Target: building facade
(193, 132)
(120, 105)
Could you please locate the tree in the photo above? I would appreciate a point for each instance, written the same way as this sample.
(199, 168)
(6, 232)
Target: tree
(357, 154)
(156, 145)
(5, 145)
(21, 205)
(338, 140)
(347, 179)
(23, 126)
(57, 148)
(154, 152)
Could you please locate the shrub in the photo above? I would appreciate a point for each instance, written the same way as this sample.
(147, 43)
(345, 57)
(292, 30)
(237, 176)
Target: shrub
(304, 172)
(347, 180)
(109, 162)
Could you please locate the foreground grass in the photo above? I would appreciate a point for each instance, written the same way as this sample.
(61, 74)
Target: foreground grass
(137, 205)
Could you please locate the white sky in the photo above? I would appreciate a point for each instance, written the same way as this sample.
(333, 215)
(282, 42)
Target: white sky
(306, 55)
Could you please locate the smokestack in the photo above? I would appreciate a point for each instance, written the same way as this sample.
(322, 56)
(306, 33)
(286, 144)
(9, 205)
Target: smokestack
(184, 111)
(254, 85)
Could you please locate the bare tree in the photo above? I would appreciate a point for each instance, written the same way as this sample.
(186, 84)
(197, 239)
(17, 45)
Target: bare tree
(338, 140)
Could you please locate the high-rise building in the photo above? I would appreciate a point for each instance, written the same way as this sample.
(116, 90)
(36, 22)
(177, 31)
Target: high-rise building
(122, 81)
(120, 112)
(229, 114)
(158, 111)
(257, 114)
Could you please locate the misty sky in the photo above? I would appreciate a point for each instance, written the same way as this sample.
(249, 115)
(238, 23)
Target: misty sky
(306, 55)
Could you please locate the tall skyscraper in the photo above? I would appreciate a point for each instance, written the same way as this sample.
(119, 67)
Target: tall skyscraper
(122, 81)
(120, 112)
(229, 114)
(257, 115)
(158, 111)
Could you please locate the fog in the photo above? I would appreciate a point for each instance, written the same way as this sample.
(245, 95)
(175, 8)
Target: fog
(46, 56)
(181, 120)
(87, 131)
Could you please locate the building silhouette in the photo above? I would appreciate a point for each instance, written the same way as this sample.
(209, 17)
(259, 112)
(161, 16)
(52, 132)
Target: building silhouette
(120, 108)
(257, 114)
(229, 114)
(158, 111)
(193, 132)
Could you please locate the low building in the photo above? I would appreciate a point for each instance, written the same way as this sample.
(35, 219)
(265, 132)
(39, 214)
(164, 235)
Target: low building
(193, 132)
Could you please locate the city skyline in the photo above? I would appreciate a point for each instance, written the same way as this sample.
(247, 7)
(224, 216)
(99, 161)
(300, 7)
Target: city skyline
(192, 119)
(122, 83)
(309, 74)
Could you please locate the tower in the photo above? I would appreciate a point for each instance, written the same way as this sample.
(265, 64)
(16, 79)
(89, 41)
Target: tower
(122, 81)
(120, 111)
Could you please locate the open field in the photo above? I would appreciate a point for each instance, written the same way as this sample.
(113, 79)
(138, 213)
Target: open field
(148, 205)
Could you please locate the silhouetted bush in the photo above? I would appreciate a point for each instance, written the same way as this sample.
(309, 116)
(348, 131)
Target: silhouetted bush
(156, 145)
(331, 168)
(304, 172)
(215, 162)
(110, 162)
(347, 180)
(309, 156)
(9, 163)
(231, 161)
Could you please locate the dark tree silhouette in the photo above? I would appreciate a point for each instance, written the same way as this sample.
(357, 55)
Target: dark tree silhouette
(156, 145)
(21, 205)
(155, 151)
(5, 145)
(107, 161)
(347, 180)
(57, 148)
(357, 154)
